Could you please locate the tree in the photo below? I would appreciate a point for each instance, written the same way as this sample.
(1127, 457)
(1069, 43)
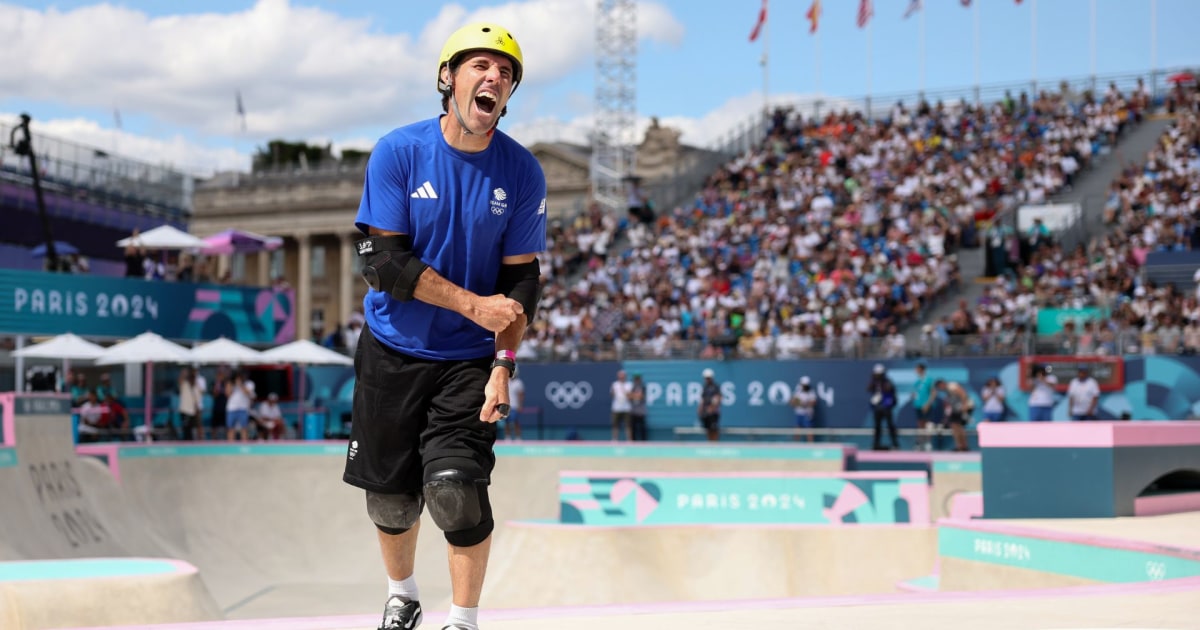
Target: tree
(281, 154)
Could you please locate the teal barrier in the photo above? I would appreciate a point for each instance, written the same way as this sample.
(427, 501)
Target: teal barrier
(8, 457)
(670, 451)
(224, 450)
(1093, 562)
(742, 499)
(83, 569)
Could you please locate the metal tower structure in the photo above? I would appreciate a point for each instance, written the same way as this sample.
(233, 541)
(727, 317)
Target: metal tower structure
(613, 139)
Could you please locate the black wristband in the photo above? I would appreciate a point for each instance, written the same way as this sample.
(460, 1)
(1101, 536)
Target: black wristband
(506, 363)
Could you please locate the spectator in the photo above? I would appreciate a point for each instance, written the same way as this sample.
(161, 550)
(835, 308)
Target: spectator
(268, 419)
(189, 405)
(958, 407)
(619, 391)
(240, 396)
(804, 405)
(116, 416)
(882, 396)
(516, 400)
(91, 418)
(709, 410)
(220, 403)
(1041, 398)
(1083, 395)
(637, 408)
(995, 409)
(923, 399)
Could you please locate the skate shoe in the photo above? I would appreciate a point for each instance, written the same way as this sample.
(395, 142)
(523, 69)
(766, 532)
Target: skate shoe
(400, 614)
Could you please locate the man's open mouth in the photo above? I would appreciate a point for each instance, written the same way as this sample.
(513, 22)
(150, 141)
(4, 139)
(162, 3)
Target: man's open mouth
(485, 102)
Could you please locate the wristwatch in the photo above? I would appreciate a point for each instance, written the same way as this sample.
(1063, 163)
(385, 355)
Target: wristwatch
(506, 359)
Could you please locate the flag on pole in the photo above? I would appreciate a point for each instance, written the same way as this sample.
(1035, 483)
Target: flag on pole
(913, 7)
(241, 109)
(865, 11)
(814, 16)
(762, 19)
(117, 117)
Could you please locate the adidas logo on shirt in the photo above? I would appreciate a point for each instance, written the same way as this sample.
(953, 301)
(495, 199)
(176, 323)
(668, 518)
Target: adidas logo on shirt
(425, 192)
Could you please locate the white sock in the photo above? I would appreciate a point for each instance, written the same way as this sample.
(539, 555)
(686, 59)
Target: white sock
(406, 588)
(465, 618)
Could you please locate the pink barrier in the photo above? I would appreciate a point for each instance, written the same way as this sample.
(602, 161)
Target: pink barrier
(1089, 434)
(8, 400)
(1167, 504)
(966, 505)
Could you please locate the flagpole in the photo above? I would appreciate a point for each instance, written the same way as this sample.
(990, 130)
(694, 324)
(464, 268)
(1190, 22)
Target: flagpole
(922, 49)
(817, 70)
(1153, 46)
(870, 28)
(1092, 46)
(975, 15)
(1033, 46)
(766, 65)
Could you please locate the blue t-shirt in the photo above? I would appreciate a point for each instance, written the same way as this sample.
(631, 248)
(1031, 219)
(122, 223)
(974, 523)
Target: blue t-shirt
(924, 392)
(464, 212)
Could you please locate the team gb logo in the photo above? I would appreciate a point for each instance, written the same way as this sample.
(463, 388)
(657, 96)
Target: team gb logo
(497, 204)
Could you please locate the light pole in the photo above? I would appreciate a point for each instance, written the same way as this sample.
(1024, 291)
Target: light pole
(24, 146)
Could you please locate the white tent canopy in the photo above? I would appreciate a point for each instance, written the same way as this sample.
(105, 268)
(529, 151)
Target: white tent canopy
(306, 352)
(147, 347)
(225, 351)
(65, 346)
(164, 237)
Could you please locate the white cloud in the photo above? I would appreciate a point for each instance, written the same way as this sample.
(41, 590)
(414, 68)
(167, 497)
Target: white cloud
(735, 114)
(302, 71)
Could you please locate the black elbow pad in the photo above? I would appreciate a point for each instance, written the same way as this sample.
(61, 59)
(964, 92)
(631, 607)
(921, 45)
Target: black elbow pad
(521, 282)
(389, 265)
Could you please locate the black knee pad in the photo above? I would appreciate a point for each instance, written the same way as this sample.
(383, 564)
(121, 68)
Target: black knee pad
(456, 492)
(394, 514)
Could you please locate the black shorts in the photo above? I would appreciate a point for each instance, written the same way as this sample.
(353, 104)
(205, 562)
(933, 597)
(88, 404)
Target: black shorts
(710, 421)
(409, 411)
(956, 417)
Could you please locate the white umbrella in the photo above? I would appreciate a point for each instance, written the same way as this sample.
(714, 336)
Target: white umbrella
(225, 351)
(305, 352)
(164, 237)
(67, 346)
(148, 348)
(64, 346)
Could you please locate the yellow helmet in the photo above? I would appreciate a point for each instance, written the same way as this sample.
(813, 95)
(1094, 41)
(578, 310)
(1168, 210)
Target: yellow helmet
(482, 36)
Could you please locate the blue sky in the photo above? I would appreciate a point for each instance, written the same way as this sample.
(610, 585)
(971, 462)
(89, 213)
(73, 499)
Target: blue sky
(346, 71)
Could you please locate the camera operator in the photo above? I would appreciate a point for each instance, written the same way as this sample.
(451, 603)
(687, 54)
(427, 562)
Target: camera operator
(1041, 398)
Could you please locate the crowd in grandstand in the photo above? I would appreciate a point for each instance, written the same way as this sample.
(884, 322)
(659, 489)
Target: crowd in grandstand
(1152, 206)
(835, 233)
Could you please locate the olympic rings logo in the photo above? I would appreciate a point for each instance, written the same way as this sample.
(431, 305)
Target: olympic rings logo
(568, 394)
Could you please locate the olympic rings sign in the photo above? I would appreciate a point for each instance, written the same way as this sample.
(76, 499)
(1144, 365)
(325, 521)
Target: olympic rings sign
(568, 394)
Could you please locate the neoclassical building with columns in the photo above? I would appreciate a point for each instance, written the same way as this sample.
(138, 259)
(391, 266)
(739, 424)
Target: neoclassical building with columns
(313, 211)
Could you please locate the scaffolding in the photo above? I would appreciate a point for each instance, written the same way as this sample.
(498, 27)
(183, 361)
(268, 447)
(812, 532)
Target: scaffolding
(614, 137)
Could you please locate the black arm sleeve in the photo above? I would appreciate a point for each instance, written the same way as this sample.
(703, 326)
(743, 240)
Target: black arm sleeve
(521, 282)
(389, 265)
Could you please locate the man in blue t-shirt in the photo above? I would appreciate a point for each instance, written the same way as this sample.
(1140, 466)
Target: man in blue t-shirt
(454, 216)
(923, 398)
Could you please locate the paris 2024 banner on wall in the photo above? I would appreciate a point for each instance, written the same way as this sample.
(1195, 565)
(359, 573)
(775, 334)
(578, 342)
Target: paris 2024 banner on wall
(757, 393)
(36, 303)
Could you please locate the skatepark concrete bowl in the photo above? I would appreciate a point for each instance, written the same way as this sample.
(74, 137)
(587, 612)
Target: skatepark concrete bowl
(232, 537)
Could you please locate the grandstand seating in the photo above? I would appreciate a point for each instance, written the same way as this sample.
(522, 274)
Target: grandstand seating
(828, 236)
(1142, 273)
